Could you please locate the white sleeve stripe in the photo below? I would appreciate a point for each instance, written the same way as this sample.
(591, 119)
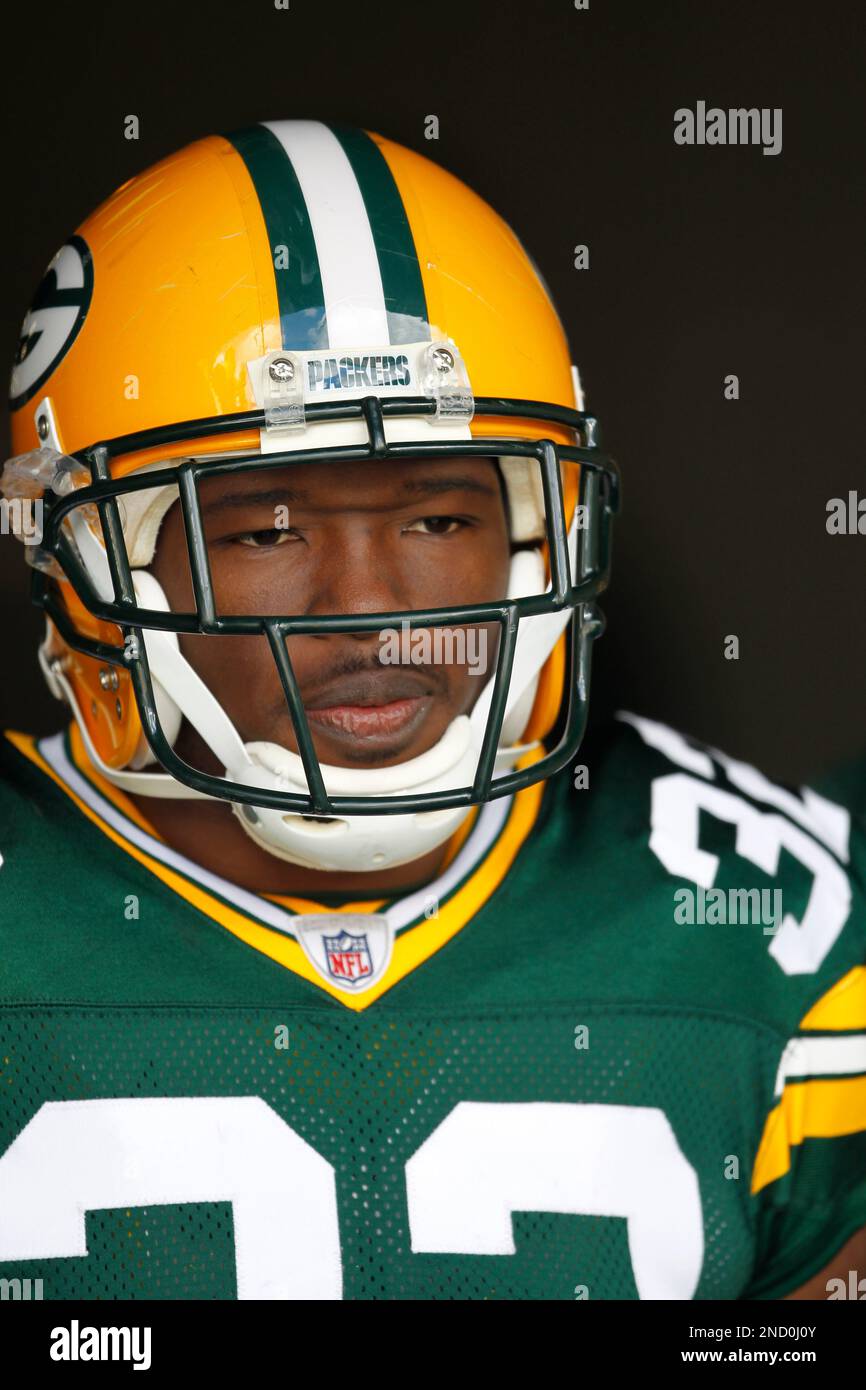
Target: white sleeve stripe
(822, 1056)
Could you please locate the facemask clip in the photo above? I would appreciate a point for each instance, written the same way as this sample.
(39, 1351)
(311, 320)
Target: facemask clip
(283, 392)
(443, 376)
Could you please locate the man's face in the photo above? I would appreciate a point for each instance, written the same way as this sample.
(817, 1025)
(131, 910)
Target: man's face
(353, 538)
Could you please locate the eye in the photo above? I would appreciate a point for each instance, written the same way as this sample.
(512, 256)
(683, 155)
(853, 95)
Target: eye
(438, 525)
(264, 540)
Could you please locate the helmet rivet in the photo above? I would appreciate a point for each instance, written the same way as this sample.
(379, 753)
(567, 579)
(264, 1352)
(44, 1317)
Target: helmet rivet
(281, 369)
(118, 709)
(108, 678)
(42, 426)
(442, 359)
(93, 708)
(249, 814)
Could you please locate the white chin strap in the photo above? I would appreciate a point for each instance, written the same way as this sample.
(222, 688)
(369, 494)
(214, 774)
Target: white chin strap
(346, 843)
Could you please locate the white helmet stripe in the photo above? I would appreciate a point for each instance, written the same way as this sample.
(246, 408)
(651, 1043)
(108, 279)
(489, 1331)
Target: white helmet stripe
(349, 266)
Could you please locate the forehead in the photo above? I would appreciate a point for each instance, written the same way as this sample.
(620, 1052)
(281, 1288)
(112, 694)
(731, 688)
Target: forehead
(377, 482)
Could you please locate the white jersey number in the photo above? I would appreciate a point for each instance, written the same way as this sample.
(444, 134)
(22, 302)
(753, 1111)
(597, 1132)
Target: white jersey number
(483, 1162)
(799, 947)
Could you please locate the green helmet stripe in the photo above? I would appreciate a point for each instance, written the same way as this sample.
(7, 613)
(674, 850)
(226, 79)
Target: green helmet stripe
(405, 301)
(300, 295)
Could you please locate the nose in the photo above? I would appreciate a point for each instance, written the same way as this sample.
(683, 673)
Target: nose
(362, 575)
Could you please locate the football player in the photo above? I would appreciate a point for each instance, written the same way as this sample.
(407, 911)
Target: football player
(336, 962)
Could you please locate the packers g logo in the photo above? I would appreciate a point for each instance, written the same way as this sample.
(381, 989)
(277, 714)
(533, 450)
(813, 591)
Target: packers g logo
(53, 320)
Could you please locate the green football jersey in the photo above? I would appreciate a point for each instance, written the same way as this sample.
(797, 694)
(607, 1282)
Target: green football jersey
(615, 1050)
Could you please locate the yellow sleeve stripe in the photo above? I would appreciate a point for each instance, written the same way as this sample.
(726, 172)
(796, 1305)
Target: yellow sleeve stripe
(818, 1109)
(843, 1006)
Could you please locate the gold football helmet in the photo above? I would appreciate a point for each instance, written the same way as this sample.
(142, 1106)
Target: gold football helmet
(291, 292)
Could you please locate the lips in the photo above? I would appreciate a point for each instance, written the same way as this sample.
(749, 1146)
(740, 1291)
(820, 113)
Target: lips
(374, 706)
(369, 721)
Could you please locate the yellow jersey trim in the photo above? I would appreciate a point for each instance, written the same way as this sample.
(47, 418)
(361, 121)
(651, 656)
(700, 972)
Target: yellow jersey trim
(412, 947)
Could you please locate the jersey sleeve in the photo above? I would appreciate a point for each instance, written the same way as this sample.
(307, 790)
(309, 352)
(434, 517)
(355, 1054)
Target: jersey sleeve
(809, 1177)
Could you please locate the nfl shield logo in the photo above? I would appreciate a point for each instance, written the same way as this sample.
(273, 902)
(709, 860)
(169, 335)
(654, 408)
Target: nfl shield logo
(351, 950)
(348, 956)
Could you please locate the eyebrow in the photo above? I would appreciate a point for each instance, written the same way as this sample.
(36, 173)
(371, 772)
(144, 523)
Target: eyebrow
(410, 487)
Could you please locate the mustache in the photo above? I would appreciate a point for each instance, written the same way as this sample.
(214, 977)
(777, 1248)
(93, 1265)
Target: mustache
(359, 664)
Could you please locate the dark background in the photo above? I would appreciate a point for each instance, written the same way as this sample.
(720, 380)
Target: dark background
(703, 262)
